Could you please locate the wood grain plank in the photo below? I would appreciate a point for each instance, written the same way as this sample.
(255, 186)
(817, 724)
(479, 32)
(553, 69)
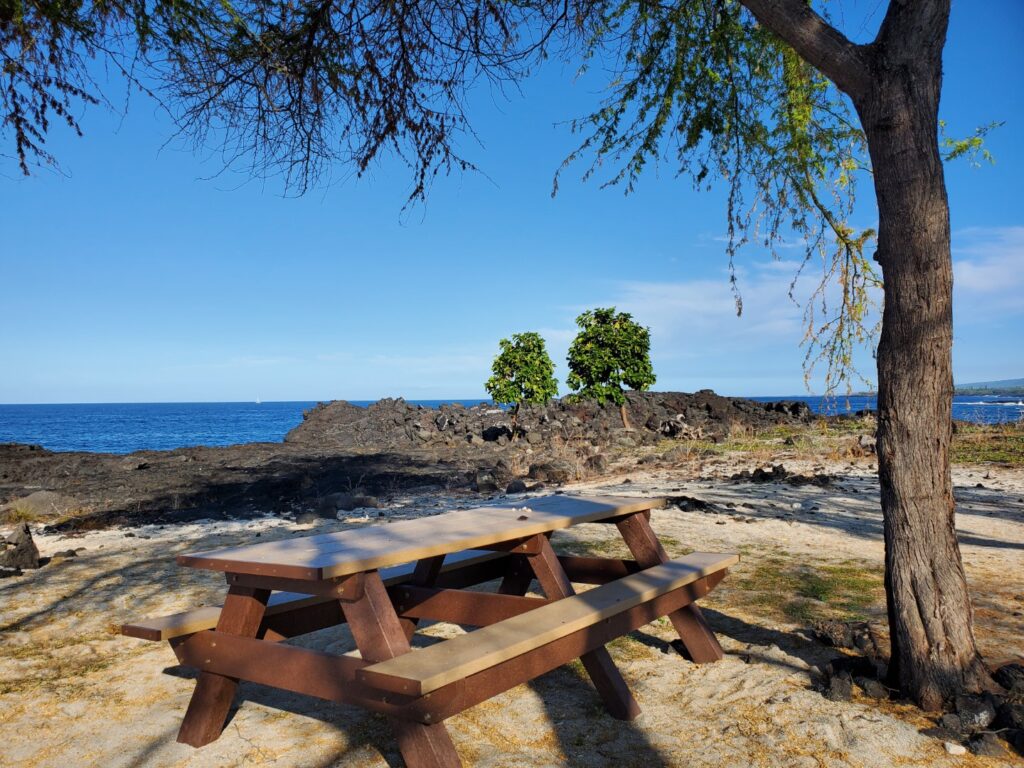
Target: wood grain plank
(336, 554)
(196, 620)
(431, 668)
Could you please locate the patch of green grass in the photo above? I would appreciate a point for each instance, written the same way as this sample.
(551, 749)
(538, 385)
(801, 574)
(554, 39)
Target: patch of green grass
(981, 444)
(801, 593)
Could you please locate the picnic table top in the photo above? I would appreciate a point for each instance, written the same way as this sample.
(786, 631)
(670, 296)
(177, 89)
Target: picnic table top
(331, 555)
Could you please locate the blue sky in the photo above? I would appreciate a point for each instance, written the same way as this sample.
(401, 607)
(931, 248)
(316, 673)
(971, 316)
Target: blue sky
(142, 274)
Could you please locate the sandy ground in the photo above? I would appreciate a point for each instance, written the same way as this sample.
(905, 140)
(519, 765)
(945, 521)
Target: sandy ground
(74, 693)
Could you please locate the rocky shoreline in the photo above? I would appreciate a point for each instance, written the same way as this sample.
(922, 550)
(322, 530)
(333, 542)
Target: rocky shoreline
(342, 456)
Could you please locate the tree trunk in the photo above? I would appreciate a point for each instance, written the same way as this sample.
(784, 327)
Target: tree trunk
(625, 417)
(934, 655)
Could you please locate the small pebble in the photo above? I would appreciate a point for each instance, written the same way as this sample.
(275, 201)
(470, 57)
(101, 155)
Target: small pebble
(955, 749)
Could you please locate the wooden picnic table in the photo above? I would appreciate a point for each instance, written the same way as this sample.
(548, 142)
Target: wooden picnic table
(383, 579)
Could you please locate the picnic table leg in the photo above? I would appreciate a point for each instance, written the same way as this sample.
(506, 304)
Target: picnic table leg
(208, 709)
(379, 636)
(518, 576)
(698, 640)
(618, 699)
(424, 575)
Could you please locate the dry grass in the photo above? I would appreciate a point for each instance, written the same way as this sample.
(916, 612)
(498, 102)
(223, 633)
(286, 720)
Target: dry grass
(788, 589)
(836, 440)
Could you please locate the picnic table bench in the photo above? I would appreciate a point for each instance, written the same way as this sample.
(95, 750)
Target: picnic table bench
(382, 580)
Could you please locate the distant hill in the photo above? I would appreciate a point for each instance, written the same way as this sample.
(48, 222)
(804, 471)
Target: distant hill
(1003, 387)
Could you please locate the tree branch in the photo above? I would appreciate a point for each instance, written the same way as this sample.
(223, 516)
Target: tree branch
(815, 40)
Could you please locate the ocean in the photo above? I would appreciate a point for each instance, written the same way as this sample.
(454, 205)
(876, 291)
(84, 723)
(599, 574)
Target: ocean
(127, 427)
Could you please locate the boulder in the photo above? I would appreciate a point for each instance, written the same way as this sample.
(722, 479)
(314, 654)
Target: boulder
(494, 433)
(18, 551)
(345, 501)
(867, 443)
(871, 687)
(484, 481)
(596, 464)
(839, 687)
(986, 745)
(516, 486)
(1011, 677)
(976, 712)
(1010, 716)
(552, 472)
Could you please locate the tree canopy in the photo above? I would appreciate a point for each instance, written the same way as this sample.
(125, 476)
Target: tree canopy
(609, 354)
(522, 372)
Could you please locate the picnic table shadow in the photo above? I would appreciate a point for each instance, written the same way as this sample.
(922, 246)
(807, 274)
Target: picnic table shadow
(565, 693)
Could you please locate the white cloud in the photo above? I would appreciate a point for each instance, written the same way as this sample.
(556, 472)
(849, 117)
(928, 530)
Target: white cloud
(698, 340)
(988, 272)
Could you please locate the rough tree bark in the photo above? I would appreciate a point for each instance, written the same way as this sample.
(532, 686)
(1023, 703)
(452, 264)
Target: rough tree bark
(895, 84)
(934, 654)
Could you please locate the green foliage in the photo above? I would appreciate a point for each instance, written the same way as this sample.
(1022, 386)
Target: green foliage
(610, 351)
(707, 89)
(523, 372)
(973, 147)
(47, 48)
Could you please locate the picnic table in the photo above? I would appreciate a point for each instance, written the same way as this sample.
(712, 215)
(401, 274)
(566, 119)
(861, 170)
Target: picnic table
(383, 579)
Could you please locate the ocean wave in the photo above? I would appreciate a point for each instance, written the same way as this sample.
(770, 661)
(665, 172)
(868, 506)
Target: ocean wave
(1015, 404)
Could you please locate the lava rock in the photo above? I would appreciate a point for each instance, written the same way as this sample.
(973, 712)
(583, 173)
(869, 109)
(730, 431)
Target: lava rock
(18, 550)
(6, 573)
(837, 634)
(986, 745)
(1010, 715)
(872, 687)
(951, 725)
(485, 482)
(552, 472)
(976, 712)
(495, 433)
(596, 464)
(839, 687)
(516, 486)
(1010, 677)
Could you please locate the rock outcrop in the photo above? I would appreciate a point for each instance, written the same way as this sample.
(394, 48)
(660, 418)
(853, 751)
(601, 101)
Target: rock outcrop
(394, 424)
(18, 551)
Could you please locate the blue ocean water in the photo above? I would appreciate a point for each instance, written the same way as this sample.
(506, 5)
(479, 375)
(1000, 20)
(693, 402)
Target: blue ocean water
(127, 427)
(981, 409)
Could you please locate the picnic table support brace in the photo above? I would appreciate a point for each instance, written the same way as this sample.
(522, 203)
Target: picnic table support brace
(425, 575)
(618, 699)
(208, 709)
(379, 635)
(699, 642)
